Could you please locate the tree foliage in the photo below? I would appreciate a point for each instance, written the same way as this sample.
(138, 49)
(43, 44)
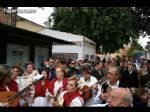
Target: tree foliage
(135, 47)
(109, 27)
(143, 19)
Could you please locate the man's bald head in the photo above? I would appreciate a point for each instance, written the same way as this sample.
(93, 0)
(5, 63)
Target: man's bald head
(120, 97)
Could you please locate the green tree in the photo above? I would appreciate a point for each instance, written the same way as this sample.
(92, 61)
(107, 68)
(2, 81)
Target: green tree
(135, 47)
(143, 19)
(110, 27)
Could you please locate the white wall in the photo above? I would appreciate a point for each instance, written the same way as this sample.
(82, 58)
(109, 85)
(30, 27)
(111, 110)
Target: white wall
(86, 47)
(89, 51)
(89, 45)
(74, 49)
(89, 48)
(67, 49)
(61, 35)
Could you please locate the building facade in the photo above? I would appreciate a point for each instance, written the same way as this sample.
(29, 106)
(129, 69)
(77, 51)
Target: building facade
(84, 48)
(21, 44)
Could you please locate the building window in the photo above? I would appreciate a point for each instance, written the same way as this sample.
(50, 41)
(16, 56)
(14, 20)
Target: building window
(86, 56)
(65, 56)
(17, 54)
(92, 57)
(41, 54)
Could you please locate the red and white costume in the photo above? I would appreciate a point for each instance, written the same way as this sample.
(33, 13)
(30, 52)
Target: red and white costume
(72, 99)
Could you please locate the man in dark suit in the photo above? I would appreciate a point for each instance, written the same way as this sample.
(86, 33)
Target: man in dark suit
(130, 77)
(51, 69)
(97, 72)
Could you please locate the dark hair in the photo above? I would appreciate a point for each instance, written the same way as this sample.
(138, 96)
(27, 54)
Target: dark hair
(85, 61)
(104, 60)
(97, 58)
(69, 62)
(16, 66)
(29, 63)
(62, 61)
(44, 69)
(5, 71)
(96, 63)
(148, 61)
(85, 67)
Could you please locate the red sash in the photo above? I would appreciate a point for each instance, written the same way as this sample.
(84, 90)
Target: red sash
(39, 89)
(13, 86)
(68, 97)
(51, 85)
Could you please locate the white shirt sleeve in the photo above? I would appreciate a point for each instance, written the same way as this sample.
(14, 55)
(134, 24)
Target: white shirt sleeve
(46, 94)
(3, 104)
(97, 99)
(93, 81)
(77, 102)
(99, 105)
(32, 91)
(37, 77)
(21, 102)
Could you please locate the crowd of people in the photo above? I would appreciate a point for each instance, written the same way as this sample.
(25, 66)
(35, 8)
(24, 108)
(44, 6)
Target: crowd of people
(119, 82)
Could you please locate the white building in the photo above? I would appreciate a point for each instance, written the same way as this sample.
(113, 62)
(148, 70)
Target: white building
(84, 48)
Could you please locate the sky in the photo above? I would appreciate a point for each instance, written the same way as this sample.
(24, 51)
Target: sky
(40, 14)
(143, 41)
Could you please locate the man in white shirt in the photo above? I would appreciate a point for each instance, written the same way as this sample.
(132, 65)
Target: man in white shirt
(112, 81)
(88, 80)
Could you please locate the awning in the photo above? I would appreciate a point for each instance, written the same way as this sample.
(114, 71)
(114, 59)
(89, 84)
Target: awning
(10, 31)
